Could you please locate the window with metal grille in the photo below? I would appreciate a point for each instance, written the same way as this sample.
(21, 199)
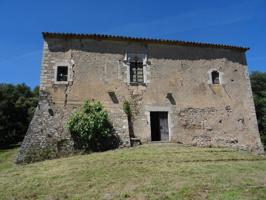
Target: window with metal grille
(136, 72)
(62, 73)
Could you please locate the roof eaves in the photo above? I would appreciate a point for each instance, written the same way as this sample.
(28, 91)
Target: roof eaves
(137, 39)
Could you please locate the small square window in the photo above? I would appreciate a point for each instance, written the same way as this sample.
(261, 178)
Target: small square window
(62, 73)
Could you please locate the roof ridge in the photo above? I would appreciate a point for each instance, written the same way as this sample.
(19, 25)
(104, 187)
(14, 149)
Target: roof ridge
(141, 39)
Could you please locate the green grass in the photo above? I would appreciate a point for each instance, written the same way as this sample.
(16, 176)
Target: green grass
(155, 171)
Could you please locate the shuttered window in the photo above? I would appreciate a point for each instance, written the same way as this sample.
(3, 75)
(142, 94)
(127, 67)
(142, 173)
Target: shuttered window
(136, 72)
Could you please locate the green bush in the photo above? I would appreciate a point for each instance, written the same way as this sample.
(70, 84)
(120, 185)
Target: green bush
(91, 129)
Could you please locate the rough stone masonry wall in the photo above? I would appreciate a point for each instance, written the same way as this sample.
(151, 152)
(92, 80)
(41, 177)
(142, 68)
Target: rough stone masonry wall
(202, 114)
(47, 136)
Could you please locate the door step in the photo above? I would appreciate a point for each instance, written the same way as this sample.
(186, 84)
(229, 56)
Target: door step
(135, 141)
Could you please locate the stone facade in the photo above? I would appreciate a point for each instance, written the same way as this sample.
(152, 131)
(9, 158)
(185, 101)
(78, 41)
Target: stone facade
(199, 112)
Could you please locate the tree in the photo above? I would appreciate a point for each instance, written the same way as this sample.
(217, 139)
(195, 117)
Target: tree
(17, 105)
(91, 129)
(258, 83)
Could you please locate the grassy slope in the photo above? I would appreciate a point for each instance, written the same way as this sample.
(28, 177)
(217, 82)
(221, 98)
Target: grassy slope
(157, 171)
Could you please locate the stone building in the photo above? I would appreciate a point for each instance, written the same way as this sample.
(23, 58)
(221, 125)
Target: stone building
(182, 92)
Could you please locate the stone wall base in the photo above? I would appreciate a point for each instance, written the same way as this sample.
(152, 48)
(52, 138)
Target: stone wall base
(45, 138)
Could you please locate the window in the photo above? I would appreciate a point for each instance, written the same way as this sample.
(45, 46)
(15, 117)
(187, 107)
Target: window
(136, 72)
(137, 68)
(62, 74)
(215, 77)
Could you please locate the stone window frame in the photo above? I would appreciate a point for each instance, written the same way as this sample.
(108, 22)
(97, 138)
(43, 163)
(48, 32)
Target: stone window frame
(221, 76)
(159, 108)
(142, 58)
(69, 70)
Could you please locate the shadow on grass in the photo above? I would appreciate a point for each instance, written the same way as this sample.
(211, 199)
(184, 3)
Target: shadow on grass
(97, 143)
(6, 148)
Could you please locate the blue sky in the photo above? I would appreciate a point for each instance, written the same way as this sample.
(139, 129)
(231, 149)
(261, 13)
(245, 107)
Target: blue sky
(233, 22)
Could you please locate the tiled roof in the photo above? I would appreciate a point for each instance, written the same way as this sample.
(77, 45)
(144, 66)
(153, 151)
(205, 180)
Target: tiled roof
(142, 40)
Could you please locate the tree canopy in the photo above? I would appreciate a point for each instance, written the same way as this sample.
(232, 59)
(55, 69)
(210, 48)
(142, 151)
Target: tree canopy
(17, 105)
(258, 83)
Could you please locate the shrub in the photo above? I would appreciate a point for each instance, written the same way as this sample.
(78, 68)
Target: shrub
(91, 129)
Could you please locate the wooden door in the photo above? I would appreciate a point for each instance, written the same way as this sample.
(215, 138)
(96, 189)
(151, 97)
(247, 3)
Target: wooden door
(163, 121)
(159, 126)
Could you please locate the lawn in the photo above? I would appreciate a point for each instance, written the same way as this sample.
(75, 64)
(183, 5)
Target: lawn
(154, 171)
